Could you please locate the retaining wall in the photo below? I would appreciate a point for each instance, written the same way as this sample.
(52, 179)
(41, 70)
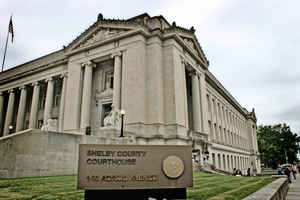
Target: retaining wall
(41, 153)
(277, 190)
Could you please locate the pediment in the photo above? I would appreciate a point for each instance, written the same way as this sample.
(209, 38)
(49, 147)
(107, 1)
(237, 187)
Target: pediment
(194, 45)
(100, 34)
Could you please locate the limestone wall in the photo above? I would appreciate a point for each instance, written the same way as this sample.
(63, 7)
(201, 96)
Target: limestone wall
(41, 153)
(274, 191)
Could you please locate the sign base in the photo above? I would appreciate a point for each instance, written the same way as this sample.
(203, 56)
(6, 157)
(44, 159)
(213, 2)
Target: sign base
(140, 194)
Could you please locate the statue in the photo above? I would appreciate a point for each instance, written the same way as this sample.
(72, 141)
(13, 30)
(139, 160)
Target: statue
(113, 119)
(109, 120)
(50, 125)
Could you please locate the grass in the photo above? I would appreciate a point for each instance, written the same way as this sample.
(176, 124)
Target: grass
(206, 186)
(218, 187)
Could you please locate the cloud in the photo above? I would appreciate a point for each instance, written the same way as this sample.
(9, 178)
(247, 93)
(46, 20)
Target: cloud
(252, 46)
(292, 113)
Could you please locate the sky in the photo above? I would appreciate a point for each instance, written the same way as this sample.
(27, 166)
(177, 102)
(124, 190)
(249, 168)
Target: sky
(253, 46)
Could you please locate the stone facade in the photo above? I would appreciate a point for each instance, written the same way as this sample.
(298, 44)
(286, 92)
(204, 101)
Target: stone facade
(155, 71)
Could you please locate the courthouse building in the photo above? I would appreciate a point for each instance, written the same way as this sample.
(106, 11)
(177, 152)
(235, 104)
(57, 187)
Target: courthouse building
(156, 71)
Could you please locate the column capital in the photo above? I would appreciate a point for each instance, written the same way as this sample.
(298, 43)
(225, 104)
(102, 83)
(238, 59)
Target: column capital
(64, 75)
(118, 54)
(22, 87)
(88, 63)
(36, 83)
(194, 73)
(11, 90)
(49, 79)
(1, 93)
(183, 61)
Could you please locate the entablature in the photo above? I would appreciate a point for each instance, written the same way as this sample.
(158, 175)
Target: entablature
(210, 79)
(20, 72)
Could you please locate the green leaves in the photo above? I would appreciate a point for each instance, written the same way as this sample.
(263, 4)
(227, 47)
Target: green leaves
(276, 144)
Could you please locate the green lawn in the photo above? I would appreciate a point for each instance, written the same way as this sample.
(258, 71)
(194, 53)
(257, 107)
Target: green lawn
(218, 187)
(206, 186)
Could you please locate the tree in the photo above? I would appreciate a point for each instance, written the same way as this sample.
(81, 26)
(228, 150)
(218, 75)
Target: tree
(277, 144)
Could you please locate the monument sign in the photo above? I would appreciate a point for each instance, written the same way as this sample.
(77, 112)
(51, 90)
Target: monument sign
(134, 167)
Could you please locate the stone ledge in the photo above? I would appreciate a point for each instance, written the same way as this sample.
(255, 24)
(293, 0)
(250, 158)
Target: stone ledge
(279, 176)
(274, 191)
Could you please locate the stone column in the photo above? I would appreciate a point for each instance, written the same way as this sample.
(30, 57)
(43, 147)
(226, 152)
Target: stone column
(9, 113)
(186, 116)
(226, 119)
(62, 101)
(196, 102)
(86, 94)
(49, 99)
(117, 81)
(21, 110)
(1, 109)
(204, 108)
(34, 105)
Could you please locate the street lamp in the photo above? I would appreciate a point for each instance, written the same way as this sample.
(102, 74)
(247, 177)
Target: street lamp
(10, 129)
(122, 112)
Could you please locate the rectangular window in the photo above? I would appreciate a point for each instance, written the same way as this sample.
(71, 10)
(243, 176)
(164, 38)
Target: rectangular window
(221, 135)
(208, 103)
(210, 128)
(214, 105)
(56, 102)
(225, 136)
(40, 123)
(219, 112)
(57, 92)
(42, 102)
(216, 132)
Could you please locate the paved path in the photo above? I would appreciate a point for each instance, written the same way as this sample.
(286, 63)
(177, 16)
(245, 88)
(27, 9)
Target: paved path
(294, 191)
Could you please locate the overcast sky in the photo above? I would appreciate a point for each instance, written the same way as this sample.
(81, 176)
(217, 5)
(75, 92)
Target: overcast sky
(253, 46)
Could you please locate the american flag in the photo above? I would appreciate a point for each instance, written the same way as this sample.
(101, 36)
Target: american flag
(11, 29)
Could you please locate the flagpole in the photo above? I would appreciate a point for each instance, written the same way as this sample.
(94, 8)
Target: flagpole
(5, 51)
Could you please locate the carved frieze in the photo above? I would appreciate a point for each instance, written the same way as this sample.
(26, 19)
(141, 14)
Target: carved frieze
(190, 43)
(99, 35)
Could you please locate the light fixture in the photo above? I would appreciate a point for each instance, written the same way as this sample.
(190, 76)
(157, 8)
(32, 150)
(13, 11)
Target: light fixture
(10, 128)
(122, 112)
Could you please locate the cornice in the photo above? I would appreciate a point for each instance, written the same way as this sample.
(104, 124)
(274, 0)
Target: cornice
(131, 25)
(230, 149)
(143, 21)
(141, 31)
(187, 48)
(210, 78)
(188, 34)
(21, 72)
(101, 22)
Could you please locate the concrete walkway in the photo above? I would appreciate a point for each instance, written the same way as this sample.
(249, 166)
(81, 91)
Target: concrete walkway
(294, 191)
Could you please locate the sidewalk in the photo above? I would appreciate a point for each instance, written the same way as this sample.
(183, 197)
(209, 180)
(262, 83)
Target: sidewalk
(294, 191)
